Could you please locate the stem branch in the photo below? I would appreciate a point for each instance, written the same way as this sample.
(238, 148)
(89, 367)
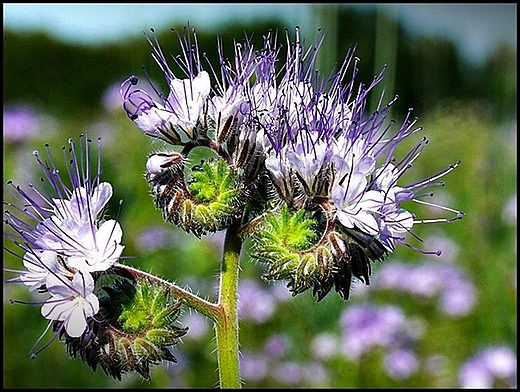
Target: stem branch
(193, 301)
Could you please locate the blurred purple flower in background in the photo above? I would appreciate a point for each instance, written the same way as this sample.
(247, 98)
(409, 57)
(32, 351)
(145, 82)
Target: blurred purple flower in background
(154, 238)
(255, 303)
(401, 364)
(457, 295)
(253, 366)
(20, 122)
(368, 326)
(199, 325)
(112, 100)
(493, 367)
(277, 345)
(288, 373)
(325, 345)
(315, 374)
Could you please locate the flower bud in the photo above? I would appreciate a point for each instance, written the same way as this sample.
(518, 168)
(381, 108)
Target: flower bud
(137, 329)
(209, 200)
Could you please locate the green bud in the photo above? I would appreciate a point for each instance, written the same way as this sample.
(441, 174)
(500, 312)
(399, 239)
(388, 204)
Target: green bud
(208, 198)
(136, 331)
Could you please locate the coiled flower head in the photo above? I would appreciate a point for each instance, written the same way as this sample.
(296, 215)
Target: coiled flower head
(304, 158)
(329, 158)
(70, 254)
(138, 332)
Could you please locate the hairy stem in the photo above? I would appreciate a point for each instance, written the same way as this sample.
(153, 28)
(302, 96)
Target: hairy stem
(224, 313)
(226, 323)
(193, 301)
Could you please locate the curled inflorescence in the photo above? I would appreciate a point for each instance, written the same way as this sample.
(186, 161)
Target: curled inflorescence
(298, 162)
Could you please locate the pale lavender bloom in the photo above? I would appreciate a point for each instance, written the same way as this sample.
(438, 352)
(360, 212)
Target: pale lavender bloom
(67, 218)
(88, 248)
(456, 293)
(458, 299)
(199, 325)
(253, 366)
(315, 373)
(450, 249)
(20, 123)
(280, 292)
(324, 144)
(63, 236)
(173, 118)
(289, 373)
(39, 265)
(401, 364)
(255, 303)
(154, 238)
(357, 208)
(112, 98)
(367, 326)
(483, 370)
(277, 345)
(70, 221)
(325, 345)
(72, 302)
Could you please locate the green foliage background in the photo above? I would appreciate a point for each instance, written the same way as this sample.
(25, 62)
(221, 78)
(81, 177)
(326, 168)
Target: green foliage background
(468, 113)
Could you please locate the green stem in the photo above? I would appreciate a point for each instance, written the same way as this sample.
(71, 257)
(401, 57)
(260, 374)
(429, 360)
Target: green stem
(224, 313)
(226, 323)
(193, 301)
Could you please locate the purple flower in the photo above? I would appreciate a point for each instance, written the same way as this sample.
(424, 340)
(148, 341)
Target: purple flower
(295, 139)
(493, 364)
(367, 326)
(64, 238)
(153, 238)
(315, 374)
(277, 345)
(72, 302)
(199, 325)
(401, 364)
(288, 373)
(456, 292)
(20, 123)
(325, 345)
(255, 303)
(253, 366)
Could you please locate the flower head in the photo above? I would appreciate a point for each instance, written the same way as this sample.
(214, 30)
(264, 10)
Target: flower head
(68, 219)
(175, 117)
(109, 316)
(64, 237)
(302, 152)
(329, 157)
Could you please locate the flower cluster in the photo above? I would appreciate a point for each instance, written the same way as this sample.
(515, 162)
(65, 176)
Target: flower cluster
(69, 250)
(298, 162)
(66, 241)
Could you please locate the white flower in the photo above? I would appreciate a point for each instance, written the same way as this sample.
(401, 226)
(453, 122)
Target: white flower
(356, 207)
(187, 98)
(83, 207)
(93, 249)
(38, 266)
(72, 302)
(307, 158)
(155, 119)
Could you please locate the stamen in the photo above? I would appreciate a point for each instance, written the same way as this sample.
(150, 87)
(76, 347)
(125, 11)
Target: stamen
(33, 355)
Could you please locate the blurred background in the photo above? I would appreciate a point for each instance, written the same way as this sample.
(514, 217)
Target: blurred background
(424, 321)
